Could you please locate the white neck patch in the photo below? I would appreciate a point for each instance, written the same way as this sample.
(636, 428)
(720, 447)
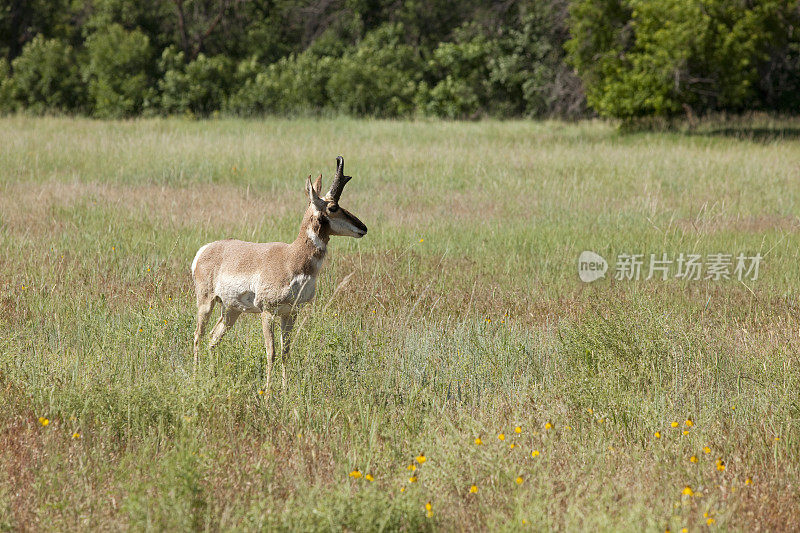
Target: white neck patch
(315, 239)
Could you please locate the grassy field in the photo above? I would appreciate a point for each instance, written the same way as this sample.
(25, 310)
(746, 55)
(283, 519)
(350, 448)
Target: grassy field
(539, 402)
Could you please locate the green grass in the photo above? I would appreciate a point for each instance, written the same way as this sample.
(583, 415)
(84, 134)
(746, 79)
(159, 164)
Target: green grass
(464, 319)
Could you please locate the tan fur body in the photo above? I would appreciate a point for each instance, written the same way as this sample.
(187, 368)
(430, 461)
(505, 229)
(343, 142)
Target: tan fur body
(254, 277)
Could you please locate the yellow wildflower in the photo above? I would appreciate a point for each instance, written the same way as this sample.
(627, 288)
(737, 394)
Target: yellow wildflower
(261, 392)
(548, 425)
(369, 477)
(421, 458)
(685, 431)
(519, 480)
(657, 435)
(478, 441)
(411, 467)
(687, 491)
(693, 459)
(428, 506)
(355, 474)
(402, 489)
(76, 435)
(518, 430)
(473, 489)
(689, 422)
(674, 424)
(710, 521)
(706, 450)
(535, 453)
(412, 479)
(748, 481)
(502, 436)
(43, 421)
(511, 446)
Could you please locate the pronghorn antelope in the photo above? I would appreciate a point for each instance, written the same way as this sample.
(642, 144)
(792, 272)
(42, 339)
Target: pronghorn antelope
(271, 278)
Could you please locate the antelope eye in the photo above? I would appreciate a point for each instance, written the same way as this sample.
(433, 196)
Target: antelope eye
(333, 208)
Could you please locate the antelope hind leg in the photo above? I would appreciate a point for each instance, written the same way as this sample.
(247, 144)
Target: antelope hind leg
(269, 343)
(203, 313)
(225, 322)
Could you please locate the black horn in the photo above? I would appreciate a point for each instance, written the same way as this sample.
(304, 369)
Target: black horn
(339, 180)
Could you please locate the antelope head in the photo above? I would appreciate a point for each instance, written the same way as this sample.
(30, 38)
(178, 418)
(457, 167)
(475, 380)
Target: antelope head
(326, 211)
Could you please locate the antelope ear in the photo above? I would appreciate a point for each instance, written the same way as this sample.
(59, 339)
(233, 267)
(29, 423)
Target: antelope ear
(318, 184)
(313, 197)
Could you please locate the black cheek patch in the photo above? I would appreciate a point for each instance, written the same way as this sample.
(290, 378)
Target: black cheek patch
(360, 225)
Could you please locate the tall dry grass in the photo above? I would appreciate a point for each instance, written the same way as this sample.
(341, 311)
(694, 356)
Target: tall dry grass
(464, 320)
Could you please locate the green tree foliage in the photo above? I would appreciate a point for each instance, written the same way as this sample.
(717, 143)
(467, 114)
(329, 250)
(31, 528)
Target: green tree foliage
(6, 98)
(529, 71)
(198, 87)
(116, 69)
(462, 73)
(639, 58)
(446, 58)
(22, 20)
(377, 77)
(291, 85)
(46, 78)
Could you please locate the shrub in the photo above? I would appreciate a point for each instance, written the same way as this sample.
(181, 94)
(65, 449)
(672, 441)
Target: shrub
(462, 72)
(641, 58)
(117, 69)
(528, 72)
(518, 71)
(198, 87)
(6, 99)
(378, 77)
(46, 78)
(294, 84)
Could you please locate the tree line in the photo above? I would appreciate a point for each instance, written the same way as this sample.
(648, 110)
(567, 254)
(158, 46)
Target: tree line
(443, 58)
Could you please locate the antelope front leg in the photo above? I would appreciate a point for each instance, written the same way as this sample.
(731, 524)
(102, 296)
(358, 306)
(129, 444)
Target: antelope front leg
(287, 323)
(269, 343)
